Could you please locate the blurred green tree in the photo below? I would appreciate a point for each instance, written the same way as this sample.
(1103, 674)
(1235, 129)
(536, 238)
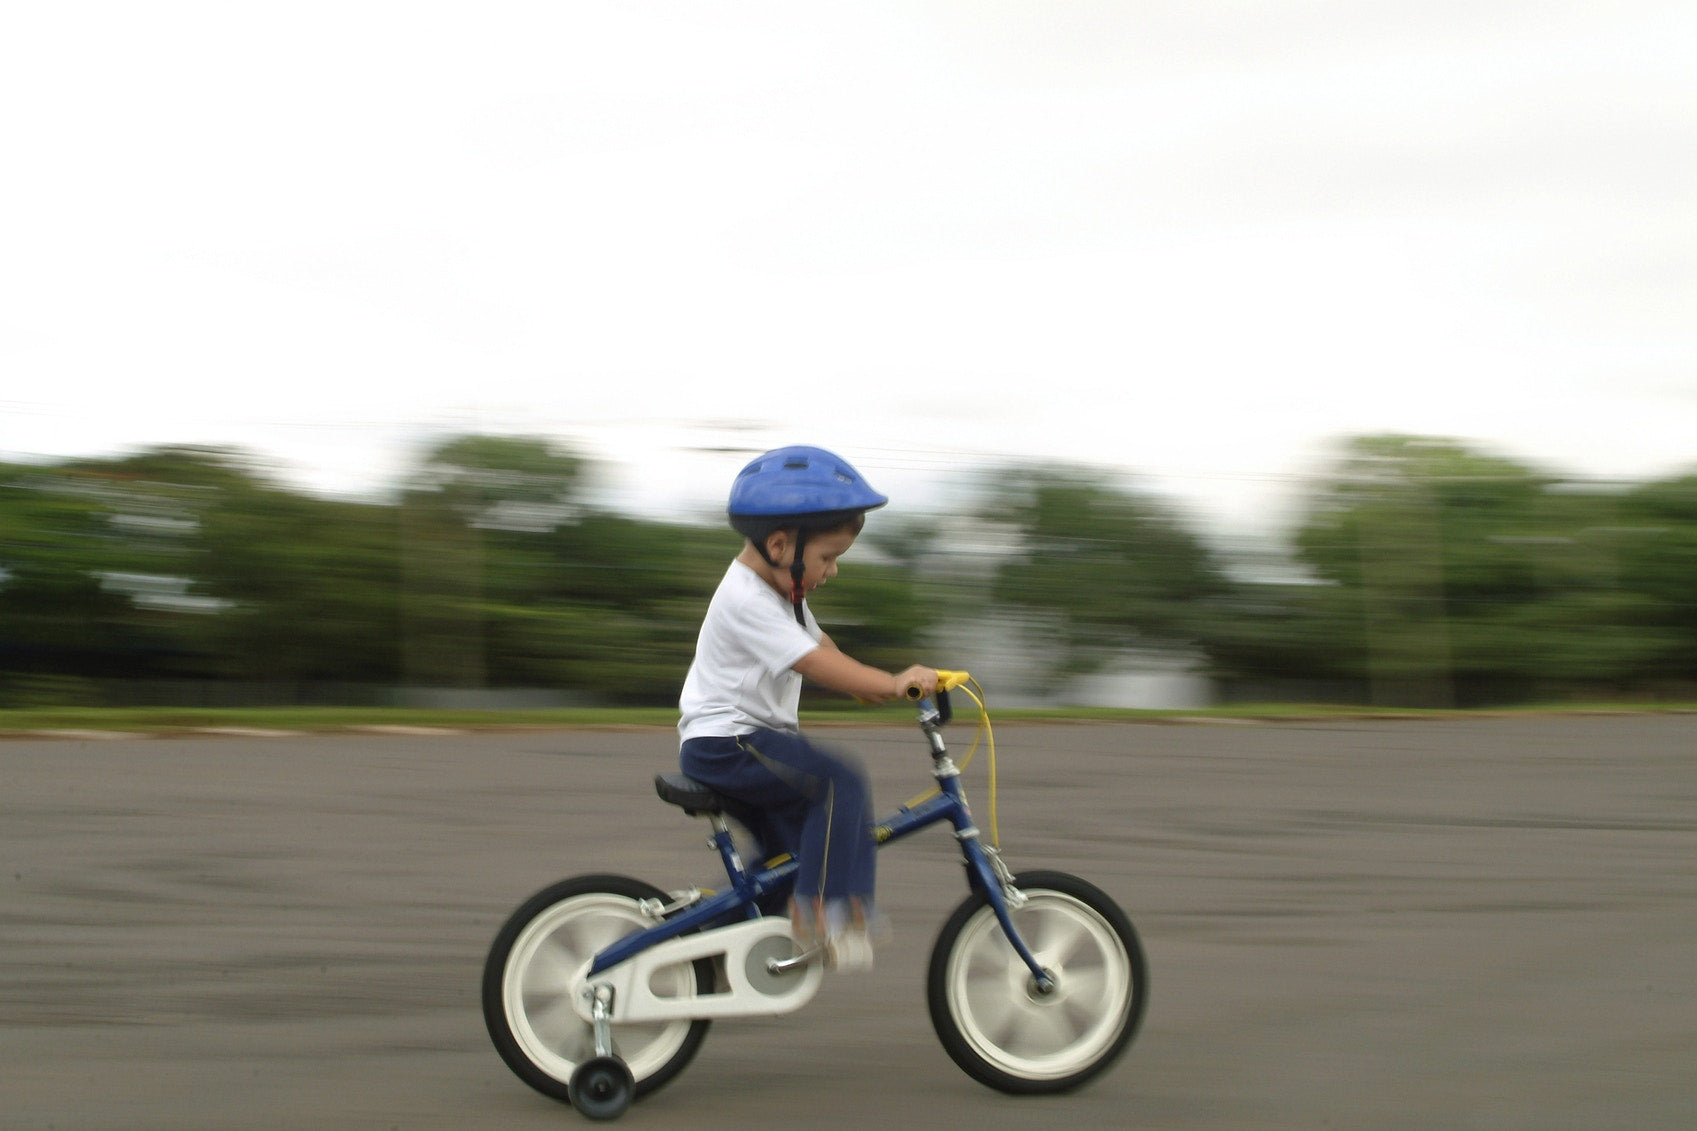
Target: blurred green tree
(59, 618)
(1454, 576)
(1651, 548)
(281, 587)
(468, 494)
(1112, 570)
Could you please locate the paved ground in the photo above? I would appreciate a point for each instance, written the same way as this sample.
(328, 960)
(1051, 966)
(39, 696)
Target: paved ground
(1377, 925)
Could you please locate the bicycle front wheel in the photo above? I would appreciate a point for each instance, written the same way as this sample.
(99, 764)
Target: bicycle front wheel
(527, 984)
(986, 1007)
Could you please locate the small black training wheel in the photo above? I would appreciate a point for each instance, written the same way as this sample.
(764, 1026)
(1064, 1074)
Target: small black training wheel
(602, 1087)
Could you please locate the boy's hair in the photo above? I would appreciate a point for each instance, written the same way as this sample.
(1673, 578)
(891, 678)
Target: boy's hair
(853, 522)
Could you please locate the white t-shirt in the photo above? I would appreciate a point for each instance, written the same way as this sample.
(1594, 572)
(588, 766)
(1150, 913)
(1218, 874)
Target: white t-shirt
(743, 676)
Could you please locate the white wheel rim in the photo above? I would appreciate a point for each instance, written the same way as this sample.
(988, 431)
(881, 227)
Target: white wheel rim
(537, 987)
(993, 999)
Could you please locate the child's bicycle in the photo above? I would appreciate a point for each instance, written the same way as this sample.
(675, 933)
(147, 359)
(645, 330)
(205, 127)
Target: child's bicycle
(599, 989)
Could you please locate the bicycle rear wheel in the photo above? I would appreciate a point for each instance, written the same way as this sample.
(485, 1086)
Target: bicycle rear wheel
(527, 980)
(986, 1007)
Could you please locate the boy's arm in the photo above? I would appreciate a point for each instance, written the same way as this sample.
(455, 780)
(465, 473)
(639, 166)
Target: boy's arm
(836, 669)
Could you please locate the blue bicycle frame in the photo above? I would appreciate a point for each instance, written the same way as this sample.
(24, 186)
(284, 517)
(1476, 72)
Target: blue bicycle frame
(984, 872)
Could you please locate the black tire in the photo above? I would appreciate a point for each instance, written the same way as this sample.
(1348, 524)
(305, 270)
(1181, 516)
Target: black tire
(527, 976)
(985, 1005)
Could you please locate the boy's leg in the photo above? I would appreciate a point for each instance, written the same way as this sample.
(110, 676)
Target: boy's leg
(821, 801)
(837, 852)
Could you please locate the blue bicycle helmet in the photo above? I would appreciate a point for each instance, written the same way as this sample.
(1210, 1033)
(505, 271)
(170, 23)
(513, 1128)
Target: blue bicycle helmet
(799, 487)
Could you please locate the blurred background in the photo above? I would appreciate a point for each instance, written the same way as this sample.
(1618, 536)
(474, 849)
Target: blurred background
(1425, 573)
(1210, 351)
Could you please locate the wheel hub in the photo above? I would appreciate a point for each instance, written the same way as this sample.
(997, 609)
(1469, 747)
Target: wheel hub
(1036, 992)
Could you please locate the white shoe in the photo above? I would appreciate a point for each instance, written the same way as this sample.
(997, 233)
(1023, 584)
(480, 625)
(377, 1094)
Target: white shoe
(849, 952)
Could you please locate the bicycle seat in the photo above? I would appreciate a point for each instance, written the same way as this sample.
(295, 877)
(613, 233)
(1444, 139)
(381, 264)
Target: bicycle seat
(693, 797)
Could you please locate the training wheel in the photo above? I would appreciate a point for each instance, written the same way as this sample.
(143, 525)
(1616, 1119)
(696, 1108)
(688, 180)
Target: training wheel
(601, 1087)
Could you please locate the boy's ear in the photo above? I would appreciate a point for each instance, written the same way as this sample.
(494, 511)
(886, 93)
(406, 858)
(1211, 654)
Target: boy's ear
(777, 543)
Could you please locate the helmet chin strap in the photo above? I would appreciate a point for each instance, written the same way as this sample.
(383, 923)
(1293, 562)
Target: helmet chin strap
(798, 569)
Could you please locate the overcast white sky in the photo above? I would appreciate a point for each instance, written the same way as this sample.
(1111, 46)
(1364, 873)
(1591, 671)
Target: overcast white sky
(1196, 240)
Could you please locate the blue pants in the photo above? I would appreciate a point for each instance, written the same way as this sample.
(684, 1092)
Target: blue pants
(812, 803)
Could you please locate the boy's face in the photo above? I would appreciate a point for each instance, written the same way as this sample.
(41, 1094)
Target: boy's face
(820, 554)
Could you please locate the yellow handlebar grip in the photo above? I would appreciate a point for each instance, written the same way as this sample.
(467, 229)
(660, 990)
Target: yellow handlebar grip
(946, 681)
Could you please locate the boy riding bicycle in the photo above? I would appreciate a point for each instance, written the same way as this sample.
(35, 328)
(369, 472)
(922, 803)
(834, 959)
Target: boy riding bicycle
(799, 509)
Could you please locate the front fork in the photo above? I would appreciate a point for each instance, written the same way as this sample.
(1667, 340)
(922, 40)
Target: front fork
(986, 869)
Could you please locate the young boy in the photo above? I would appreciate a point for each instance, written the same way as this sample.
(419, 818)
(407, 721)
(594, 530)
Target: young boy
(799, 509)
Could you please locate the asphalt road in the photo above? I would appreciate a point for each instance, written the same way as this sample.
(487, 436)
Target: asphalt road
(1456, 924)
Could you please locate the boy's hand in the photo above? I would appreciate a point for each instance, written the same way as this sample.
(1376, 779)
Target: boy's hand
(918, 677)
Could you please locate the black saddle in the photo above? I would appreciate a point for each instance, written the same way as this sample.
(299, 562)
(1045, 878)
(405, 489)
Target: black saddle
(694, 798)
(700, 800)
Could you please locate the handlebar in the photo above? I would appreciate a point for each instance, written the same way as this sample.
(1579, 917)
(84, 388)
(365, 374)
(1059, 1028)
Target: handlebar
(946, 681)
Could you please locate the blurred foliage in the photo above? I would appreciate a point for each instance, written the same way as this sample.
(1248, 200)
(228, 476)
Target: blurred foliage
(1449, 576)
(1113, 570)
(188, 565)
(1425, 573)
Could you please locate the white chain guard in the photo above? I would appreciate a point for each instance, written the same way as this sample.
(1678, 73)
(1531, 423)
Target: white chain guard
(753, 990)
